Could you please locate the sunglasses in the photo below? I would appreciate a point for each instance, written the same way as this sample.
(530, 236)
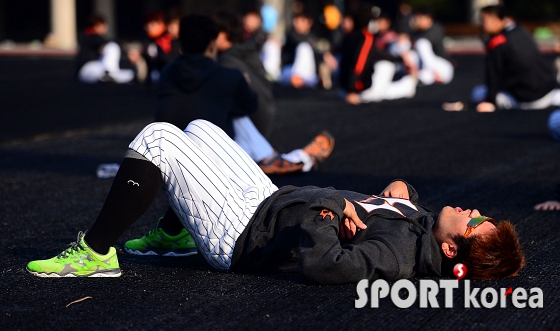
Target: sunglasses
(475, 222)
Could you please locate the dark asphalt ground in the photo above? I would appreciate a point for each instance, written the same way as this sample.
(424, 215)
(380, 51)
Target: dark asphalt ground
(54, 132)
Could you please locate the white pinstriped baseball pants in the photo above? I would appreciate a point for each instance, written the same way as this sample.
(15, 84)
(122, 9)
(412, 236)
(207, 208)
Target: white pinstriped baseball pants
(213, 186)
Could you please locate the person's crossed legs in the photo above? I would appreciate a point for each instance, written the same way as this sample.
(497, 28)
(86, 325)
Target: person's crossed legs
(212, 185)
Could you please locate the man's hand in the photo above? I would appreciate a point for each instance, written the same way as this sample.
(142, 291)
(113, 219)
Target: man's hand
(396, 189)
(548, 205)
(485, 107)
(350, 223)
(353, 98)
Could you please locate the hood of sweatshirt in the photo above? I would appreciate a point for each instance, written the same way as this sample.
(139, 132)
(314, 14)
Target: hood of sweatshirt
(192, 70)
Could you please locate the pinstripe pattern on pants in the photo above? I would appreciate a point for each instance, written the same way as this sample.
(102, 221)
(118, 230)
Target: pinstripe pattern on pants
(213, 186)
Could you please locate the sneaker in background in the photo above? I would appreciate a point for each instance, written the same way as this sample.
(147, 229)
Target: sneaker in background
(277, 165)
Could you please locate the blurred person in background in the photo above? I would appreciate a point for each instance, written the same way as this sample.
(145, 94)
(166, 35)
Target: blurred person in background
(366, 72)
(98, 59)
(196, 87)
(300, 56)
(433, 61)
(253, 32)
(517, 74)
(161, 47)
(242, 55)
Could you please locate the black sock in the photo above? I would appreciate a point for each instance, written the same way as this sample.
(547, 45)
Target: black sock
(170, 223)
(133, 191)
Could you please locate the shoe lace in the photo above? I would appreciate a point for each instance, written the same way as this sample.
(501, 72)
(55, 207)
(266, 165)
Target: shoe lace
(75, 246)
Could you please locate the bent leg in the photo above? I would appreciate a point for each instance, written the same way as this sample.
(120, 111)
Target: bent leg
(304, 64)
(213, 186)
(248, 137)
(433, 67)
(91, 72)
(111, 56)
(382, 76)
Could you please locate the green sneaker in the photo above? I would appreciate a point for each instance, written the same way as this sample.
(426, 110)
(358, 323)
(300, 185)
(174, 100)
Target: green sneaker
(78, 260)
(157, 242)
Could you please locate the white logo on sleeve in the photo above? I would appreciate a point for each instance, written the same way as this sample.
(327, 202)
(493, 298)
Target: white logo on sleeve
(376, 202)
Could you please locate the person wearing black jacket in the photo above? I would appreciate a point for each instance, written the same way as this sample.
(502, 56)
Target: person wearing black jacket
(240, 54)
(301, 58)
(196, 87)
(433, 61)
(161, 48)
(517, 74)
(241, 222)
(98, 59)
(366, 72)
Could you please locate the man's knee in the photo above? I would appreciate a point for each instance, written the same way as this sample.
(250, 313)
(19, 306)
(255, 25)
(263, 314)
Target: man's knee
(200, 124)
(112, 48)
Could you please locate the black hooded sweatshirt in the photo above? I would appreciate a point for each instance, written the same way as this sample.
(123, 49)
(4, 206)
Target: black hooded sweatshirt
(515, 64)
(359, 56)
(296, 230)
(196, 87)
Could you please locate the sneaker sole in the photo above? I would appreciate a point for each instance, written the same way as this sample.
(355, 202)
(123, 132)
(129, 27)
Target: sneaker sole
(111, 273)
(172, 254)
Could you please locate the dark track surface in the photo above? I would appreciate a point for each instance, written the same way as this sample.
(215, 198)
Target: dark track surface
(501, 163)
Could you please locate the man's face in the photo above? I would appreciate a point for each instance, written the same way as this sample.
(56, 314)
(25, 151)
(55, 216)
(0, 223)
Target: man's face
(173, 28)
(252, 22)
(383, 24)
(302, 25)
(492, 24)
(100, 28)
(423, 22)
(453, 221)
(222, 42)
(155, 29)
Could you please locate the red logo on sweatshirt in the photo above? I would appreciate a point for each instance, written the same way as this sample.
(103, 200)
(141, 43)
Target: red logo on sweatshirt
(325, 212)
(496, 41)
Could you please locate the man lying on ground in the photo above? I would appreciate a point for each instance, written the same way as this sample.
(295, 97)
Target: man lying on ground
(242, 222)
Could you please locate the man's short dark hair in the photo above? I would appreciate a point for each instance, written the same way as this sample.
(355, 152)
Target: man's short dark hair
(496, 10)
(231, 24)
(424, 11)
(361, 16)
(196, 32)
(95, 19)
(155, 16)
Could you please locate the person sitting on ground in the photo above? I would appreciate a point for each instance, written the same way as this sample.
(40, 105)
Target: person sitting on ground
(253, 33)
(300, 56)
(98, 59)
(551, 204)
(196, 87)
(366, 73)
(517, 74)
(433, 61)
(238, 54)
(242, 222)
(161, 48)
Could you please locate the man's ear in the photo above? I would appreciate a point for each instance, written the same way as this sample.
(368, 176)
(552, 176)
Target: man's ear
(449, 250)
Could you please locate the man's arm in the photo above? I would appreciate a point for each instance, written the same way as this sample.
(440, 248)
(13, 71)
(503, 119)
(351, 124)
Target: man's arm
(494, 71)
(324, 260)
(245, 99)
